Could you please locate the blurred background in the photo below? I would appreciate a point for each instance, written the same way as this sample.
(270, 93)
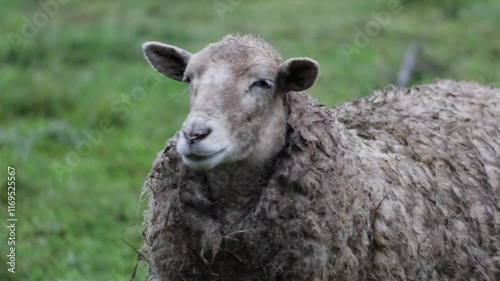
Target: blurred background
(82, 115)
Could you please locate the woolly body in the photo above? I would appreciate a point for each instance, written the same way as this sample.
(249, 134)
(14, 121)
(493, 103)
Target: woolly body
(401, 185)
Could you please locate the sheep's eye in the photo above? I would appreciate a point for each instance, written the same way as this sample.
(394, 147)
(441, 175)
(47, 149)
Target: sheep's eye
(186, 79)
(263, 83)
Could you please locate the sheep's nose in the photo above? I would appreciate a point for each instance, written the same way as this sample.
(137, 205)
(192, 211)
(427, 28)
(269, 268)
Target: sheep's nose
(196, 133)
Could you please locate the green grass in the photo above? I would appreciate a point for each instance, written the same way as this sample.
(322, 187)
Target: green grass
(85, 62)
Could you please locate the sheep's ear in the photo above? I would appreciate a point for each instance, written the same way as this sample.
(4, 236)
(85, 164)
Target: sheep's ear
(168, 60)
(297, 74)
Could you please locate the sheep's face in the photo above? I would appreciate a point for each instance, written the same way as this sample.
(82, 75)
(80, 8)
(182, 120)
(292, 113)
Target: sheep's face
(237, 89)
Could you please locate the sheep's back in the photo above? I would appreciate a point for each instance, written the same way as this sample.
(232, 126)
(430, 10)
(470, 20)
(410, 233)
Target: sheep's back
(453, 122)
(437, 149)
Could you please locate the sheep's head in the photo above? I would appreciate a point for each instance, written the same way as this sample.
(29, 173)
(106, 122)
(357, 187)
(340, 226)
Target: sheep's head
(237, 89)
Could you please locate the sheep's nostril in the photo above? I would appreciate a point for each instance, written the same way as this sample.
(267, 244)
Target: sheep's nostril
(197, 133)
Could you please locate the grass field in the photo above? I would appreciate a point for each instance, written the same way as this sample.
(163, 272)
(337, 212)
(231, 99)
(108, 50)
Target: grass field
(82, 115)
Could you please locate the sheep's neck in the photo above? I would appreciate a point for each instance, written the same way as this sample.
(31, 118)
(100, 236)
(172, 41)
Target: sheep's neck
(236, 188)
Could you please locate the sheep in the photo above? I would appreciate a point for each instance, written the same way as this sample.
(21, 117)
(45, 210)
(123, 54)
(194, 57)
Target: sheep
(264, 183)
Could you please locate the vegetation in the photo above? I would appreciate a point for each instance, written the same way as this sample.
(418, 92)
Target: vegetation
(82, 115)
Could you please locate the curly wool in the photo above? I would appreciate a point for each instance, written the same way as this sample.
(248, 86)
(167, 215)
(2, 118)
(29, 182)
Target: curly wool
(401, 185)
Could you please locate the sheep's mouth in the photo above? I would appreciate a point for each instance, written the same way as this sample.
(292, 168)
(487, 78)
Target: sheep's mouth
(198, 158)
(194, 157)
